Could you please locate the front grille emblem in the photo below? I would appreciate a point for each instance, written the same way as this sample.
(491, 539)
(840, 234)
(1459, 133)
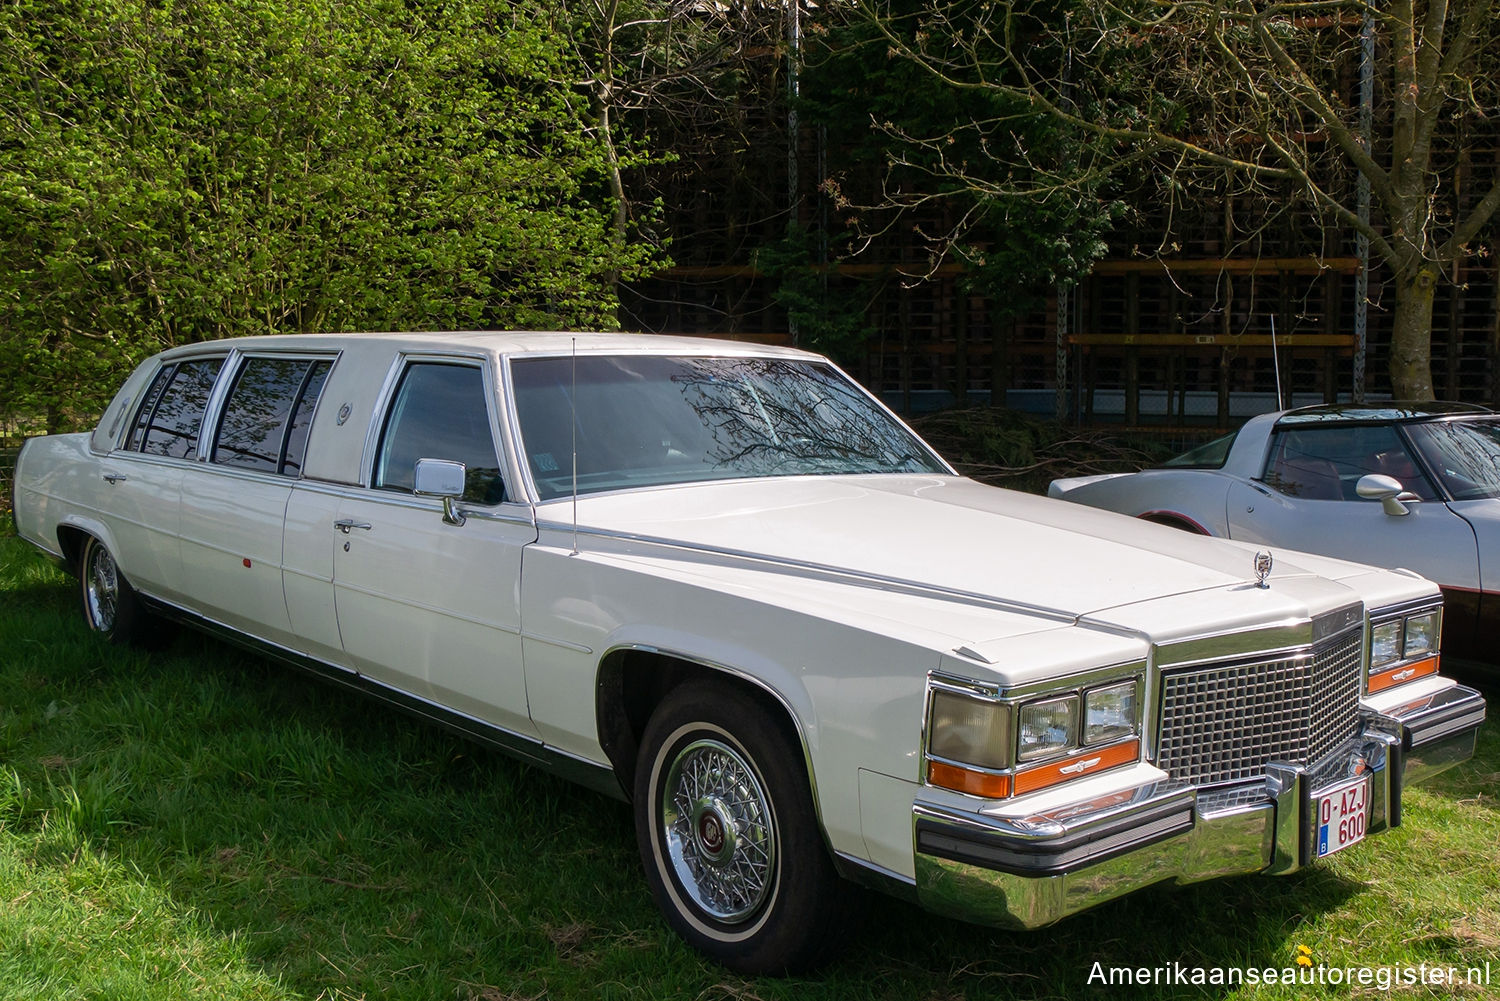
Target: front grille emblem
(1262, 569)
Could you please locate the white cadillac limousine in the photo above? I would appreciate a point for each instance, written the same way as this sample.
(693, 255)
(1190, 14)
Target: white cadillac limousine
(722, 582)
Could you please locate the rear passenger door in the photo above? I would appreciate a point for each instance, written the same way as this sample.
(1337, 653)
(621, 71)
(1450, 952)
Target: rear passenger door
(145, 474)
(424, 606)
(234, 502)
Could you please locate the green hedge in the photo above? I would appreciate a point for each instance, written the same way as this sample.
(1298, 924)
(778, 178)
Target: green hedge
(180, 171)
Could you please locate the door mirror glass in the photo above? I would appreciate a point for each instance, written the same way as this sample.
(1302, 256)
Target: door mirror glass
(438, 478)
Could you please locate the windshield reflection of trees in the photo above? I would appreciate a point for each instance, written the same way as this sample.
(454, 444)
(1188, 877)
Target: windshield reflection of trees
(643, 420)
(769, 417)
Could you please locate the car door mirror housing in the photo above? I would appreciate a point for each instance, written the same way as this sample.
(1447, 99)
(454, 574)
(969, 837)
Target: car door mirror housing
(1388, 490)
(441, 478)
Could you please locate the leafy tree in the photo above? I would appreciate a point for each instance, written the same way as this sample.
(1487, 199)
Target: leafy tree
(1259, 95)
(172, 172)
(976, 171)
(963, 175)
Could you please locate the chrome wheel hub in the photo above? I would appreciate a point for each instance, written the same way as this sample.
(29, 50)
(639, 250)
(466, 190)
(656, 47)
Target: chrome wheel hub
(102, 584)
(719, 832)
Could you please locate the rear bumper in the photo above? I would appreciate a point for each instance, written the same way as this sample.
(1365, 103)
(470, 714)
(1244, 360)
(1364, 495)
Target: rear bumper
(1026, 873)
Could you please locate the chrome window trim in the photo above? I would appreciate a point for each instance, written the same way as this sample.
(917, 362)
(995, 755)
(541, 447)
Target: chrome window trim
(213, 408)
(483, 361)
(216, 392)
(506, 512)
(513, 423)
(134, 411)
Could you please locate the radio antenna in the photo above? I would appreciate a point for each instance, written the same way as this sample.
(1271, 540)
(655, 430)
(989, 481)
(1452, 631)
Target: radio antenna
(573, 410)
(1276, 361)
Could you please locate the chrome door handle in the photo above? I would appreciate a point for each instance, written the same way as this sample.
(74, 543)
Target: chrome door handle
(113, 478)
(345, 524)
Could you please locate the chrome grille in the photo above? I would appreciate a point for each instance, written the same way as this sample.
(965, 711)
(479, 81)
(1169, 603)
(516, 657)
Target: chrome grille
(1336, 680)
(1223, 722)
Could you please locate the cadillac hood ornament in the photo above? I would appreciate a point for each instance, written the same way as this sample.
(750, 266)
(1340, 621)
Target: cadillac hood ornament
(1262, 569)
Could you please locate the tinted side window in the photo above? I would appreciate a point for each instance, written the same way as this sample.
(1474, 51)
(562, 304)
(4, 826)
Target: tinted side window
(148, 406)
(296, 435)
(439, 412)
(254, 425)
(1326, 463)
(177, 418)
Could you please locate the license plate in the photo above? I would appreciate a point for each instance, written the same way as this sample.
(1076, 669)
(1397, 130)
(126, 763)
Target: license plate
(1343, 814)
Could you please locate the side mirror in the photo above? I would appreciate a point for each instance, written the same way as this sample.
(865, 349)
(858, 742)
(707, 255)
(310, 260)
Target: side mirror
(1388, 490)
(441, 478)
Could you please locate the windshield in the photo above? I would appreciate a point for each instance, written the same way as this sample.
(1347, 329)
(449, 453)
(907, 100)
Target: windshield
(1464, 454)
(644, 420)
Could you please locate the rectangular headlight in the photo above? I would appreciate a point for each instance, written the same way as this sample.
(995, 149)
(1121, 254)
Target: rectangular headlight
(1109, 713)
(1421, 634)
(1385, 644)
(1048, 727)
(972, 731)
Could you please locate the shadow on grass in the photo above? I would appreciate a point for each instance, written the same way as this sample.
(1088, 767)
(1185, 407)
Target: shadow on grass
(352, 851)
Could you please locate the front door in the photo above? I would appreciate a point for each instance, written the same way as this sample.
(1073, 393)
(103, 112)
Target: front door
(1306, 500)
(425, 606)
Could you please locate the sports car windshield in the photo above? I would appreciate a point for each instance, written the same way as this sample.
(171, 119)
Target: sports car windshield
(646, 420)
(1464, 454)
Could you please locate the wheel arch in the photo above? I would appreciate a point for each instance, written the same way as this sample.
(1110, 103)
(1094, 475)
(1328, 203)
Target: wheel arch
(632, 681)
(73, 536)
(1174, 519)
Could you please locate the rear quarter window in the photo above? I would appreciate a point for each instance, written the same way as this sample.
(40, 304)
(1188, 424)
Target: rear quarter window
(171, 416)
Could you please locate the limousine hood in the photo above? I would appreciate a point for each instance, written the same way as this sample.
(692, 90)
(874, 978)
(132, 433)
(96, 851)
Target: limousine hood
(945, 533)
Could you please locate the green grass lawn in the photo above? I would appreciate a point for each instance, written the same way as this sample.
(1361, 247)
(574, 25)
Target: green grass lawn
(201, 823)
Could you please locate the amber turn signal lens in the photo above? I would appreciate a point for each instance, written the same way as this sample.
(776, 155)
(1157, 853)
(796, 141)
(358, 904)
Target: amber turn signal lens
(1399, 675)
(1092, 760)
(968, 781)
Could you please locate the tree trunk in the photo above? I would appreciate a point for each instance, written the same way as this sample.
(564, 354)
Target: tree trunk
(1411, 337)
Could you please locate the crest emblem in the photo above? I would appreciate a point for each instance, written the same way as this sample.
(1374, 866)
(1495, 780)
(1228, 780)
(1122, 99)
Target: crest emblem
(344, 413)
(1262, 568)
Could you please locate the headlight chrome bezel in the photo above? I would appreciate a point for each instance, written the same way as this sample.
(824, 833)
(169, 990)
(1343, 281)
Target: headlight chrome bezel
(951, 762)
(1403, 645)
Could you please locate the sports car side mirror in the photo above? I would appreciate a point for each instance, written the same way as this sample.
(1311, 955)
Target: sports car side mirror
(1388, 490)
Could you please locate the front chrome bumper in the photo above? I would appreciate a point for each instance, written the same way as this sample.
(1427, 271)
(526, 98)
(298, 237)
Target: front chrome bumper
(1026, 873)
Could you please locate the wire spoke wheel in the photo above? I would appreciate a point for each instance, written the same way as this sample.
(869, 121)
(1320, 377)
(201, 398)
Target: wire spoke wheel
(729, 833)
(719, 830)
(101, 583)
